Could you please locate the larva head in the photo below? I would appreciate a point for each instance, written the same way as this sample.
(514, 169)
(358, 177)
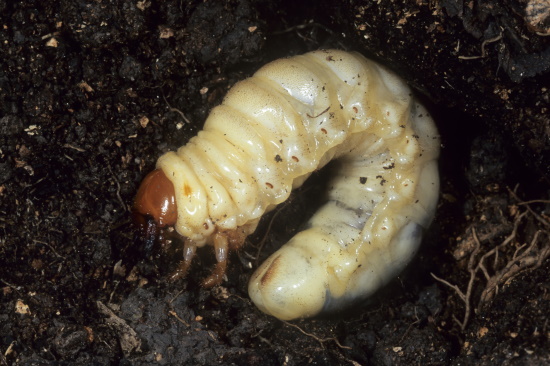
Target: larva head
(154, 208)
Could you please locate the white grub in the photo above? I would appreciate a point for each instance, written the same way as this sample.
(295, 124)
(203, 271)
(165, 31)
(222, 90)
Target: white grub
(271, 132)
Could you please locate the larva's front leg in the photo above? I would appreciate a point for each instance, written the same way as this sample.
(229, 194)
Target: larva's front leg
(224, 241)
(221, 247)
(189, 251)
(270, 133)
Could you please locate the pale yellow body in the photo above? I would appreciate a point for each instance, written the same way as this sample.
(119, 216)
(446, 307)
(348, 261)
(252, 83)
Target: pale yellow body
(271, 132)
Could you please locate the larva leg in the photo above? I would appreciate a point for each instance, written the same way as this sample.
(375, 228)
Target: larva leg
(189, 250)
(224, 242)
(221, 247)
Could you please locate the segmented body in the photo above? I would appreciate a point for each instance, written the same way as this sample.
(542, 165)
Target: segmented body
(269, 134)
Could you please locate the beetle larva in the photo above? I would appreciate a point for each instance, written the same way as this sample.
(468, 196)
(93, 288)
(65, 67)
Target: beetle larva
(269, 134)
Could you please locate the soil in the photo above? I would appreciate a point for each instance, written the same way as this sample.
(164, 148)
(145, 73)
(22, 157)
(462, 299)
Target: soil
(92, 92)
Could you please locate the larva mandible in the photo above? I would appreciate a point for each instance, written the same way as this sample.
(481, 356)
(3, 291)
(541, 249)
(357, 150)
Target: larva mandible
(270, 133)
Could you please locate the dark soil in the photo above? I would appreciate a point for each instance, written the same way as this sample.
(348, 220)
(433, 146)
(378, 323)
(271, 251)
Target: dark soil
(92, 92)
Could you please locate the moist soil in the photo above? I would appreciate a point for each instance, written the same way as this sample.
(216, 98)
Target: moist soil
(92, 92)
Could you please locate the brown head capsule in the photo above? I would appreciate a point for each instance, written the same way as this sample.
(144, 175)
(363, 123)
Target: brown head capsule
(154, 208)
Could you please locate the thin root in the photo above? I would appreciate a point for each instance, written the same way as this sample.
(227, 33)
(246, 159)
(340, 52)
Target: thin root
(522, 259)
(320, 340)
